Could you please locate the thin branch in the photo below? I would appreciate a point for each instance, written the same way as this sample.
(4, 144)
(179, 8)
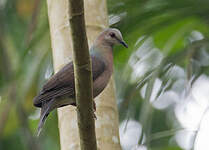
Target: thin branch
(83, 76)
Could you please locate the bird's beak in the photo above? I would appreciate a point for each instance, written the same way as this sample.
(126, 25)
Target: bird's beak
(124, 44)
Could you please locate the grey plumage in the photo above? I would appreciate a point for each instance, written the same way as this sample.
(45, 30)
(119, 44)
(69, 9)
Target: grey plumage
(59, 90)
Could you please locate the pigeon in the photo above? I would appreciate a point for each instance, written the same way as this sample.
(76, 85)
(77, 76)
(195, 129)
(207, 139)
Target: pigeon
(59, 90)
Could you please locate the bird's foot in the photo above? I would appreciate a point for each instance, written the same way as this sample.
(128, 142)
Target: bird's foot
(94, 106)
(94, 115)
(94, 109)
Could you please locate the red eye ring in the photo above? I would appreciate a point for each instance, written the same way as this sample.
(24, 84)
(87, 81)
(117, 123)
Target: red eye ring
(112, 34)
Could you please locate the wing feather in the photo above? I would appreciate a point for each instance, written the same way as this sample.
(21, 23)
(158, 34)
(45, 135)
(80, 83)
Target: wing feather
(62, 83)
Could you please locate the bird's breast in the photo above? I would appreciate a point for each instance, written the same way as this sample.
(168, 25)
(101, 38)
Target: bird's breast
(101, 82)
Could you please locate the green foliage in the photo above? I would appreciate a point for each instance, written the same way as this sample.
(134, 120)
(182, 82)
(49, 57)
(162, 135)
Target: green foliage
(161, 35)
(168, 52)
(25, 57)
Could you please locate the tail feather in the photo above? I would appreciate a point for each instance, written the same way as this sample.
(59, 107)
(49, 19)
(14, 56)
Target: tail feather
(47, 107)
(41, 123)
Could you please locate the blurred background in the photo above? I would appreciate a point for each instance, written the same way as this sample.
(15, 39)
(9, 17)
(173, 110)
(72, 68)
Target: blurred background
(162, 80)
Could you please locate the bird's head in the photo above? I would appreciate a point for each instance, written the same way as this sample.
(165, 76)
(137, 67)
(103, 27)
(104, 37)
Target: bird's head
(112, 37)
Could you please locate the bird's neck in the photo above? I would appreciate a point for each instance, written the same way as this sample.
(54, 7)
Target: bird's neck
(104, 52)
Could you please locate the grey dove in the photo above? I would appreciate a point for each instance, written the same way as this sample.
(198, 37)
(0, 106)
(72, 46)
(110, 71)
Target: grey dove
(59, 90)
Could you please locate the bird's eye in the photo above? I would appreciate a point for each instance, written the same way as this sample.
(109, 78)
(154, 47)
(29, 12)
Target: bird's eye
(112, 34)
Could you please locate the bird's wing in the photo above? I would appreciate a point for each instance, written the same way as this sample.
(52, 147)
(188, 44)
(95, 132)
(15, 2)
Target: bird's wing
(62, 83)
(63, 78)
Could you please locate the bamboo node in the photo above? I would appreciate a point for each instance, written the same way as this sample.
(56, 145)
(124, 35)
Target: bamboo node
(85, 66)
(76, 14)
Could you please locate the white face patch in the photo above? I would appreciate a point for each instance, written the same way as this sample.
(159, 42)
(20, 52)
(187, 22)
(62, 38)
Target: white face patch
(111, 36)
(117, 33)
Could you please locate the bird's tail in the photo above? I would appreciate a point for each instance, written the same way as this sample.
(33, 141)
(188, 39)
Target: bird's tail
(46, 108)
(41, 123)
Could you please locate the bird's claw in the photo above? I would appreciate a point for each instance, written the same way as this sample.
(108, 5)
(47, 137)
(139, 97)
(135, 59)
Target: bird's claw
(94, 109)
(94, 115)
(94, 106)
